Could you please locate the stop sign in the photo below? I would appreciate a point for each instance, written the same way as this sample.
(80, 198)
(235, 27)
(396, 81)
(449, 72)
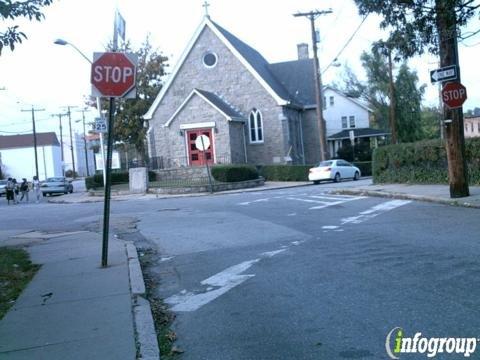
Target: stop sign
(113, 74)
(454, 95)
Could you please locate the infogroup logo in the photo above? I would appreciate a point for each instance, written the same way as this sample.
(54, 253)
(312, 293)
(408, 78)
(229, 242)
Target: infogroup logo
(397, 343)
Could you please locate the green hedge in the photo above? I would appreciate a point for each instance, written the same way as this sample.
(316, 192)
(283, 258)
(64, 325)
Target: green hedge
(118, 177)
(234, 173)
(284, 172)
(423, 162)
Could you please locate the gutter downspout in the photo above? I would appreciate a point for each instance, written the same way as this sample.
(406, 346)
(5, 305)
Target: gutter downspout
(245, 143)
(300, 117)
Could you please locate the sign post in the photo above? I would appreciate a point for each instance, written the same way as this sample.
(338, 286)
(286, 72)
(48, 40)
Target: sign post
(113, 75)
(202, 143)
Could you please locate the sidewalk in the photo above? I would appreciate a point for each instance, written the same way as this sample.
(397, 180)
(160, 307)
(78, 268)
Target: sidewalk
(431, 193)
(73, 308)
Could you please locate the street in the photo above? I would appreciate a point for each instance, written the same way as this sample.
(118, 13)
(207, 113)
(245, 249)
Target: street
(296, 273)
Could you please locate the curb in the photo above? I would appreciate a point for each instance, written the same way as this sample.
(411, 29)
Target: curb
(403, 196)
(146, 336)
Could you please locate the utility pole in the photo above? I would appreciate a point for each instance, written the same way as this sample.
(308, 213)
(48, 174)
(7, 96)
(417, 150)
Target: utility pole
(312, 16)
(61, 140)
(454, 135)
(69, 114)
(85, 141)
(34, 136)
(393, 101)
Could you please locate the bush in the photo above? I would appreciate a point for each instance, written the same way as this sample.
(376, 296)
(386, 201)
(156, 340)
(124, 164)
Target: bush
(363, 152)
(69, 173)
(118, 177)
(423, 162)
(365, 167)
(284, 172)
(234, 173)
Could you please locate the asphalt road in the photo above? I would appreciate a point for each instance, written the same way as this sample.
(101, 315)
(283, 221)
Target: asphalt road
(295, 273)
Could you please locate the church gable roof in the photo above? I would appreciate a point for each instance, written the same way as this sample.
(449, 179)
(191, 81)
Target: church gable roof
(249, 57)
(213, 100)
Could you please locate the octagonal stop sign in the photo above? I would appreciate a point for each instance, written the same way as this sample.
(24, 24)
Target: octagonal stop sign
(454, 95)
(113, 74)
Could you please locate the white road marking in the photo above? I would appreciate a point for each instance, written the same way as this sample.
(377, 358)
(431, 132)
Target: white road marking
(253, 201)
(166, 258)
(224, 281)
(308, 200)
(374, 211)
(329, 227)
(272, 253)
(329, 197)
(337, 202)
(292, 214)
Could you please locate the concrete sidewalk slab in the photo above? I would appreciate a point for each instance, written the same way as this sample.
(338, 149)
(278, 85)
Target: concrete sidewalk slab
(73, 308)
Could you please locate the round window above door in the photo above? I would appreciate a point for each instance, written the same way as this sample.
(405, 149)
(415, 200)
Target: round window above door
(210, 59)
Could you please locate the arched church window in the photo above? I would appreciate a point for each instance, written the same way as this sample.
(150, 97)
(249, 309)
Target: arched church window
(255, 125)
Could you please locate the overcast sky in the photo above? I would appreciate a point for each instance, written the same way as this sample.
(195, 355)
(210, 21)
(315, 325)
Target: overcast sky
(49, 76)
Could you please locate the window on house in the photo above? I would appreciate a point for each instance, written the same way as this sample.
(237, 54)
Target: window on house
(352, 121)
(344, 122)
(471, 126)
(255, 124)
(324, 103)
(466, 128)
(331, 101)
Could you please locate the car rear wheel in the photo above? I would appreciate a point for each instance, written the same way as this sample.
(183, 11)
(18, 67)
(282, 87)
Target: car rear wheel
(316, 182)
(337, 178)
(356, 176)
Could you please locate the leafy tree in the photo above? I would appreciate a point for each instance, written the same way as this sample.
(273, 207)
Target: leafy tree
(413, 23)
(10, 10)
(408, 105)
(430, 122)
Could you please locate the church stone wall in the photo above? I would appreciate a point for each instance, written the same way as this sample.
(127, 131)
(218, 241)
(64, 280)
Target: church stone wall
(237, 142)
(237, 86)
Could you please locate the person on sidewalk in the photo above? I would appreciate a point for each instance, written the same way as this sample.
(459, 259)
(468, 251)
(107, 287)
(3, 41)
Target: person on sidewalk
(15, 191)
(24, 189)
(10, 191)
(36, 189)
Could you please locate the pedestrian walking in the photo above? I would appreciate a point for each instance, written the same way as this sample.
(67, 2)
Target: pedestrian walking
(36, 189)
(15, 191)
(24, 189)
(10, 191)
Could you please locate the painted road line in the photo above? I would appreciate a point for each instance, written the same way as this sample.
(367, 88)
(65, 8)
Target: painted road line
(374, 211)
(224, 281)
(308, 200)
(272, 253)
(337, 202)
(334, 198)
(253, 201)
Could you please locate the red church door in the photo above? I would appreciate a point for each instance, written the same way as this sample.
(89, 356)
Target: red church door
(195, 156)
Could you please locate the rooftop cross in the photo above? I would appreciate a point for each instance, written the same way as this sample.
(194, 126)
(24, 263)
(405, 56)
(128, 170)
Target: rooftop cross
(206, 5)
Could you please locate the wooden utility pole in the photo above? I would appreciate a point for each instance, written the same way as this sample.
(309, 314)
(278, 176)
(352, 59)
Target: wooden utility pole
(312, 16)
(454, 135)
(61, 141)
(69, 114)
(393, 102)
(34, 136)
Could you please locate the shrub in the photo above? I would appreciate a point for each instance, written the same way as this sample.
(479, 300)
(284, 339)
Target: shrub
(365, 167)
(69, 173)
(234, 173)
(423, 162)
(284, 172)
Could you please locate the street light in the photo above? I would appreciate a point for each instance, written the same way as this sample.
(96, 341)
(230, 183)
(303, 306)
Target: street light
(63, 43)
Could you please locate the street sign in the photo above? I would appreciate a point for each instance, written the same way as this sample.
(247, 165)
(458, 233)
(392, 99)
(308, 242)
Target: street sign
(100, 125)
(454, 95)
(351, 135)
(447, 73)
(202, 142)
(113, 75)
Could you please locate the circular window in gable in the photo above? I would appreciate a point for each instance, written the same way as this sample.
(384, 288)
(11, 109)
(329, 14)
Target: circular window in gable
(210, 59)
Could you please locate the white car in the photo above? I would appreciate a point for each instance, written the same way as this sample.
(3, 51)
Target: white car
(335, 170)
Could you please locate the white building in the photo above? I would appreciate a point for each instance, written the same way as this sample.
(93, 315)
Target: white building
(347, 118)
(18, 156)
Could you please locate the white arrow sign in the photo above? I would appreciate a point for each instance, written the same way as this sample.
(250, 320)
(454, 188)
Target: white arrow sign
(447, 73)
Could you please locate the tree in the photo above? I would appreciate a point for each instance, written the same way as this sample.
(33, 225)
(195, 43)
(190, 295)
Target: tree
(408, 105)
(10, 10)
(129, 127)
(433, 25)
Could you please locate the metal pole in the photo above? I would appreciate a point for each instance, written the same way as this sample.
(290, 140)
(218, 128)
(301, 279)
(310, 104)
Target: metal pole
(61, 143)
(107, 171)
(71, 139)
(206, 164)
(102, 148)
(85, 142)
(35, 141)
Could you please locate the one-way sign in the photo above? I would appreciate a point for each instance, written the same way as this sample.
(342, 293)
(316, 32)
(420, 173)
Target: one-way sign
(447, 73)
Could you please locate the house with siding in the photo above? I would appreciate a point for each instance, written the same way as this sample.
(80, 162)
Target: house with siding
(18, 156)
(252, 111)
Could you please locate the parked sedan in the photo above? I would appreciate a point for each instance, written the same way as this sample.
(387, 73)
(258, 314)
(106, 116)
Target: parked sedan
(56, 185)
(335, 170)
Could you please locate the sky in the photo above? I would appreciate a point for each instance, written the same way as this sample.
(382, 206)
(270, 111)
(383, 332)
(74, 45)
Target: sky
(48, 76)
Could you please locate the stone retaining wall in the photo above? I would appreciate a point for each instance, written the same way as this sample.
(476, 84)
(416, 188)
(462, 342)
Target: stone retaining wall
(206, 188)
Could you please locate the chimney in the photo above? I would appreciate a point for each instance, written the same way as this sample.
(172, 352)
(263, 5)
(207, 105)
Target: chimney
(302, 50)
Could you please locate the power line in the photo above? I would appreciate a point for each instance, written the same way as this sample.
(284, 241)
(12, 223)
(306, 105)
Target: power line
(346, 44)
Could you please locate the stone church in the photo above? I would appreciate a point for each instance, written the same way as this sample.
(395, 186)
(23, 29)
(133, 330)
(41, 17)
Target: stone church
(252, 111)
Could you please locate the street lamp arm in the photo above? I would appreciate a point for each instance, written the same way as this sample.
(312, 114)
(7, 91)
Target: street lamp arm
(64, 42)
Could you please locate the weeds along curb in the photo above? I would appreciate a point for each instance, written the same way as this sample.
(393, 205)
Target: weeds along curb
(146, 335)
